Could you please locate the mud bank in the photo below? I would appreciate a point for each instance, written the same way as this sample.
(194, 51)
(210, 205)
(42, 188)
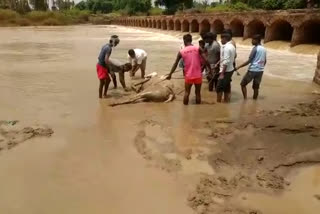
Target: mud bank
(12, 134)
(254, 154)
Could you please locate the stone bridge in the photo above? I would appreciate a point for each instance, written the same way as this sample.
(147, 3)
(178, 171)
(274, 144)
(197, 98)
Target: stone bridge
(296, 26)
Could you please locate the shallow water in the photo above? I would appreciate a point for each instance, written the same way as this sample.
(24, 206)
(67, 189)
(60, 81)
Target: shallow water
(47, 76)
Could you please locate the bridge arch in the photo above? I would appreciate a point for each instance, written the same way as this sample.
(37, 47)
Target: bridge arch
(255, 27)
(185, 26)
(164, 24)
(280, 30)
(310, 32)
(154, 24)
(205, 26)
(237, 28)
(171, 25)
(150, 24)
(194, 26)
(177, 25)
(218, 26)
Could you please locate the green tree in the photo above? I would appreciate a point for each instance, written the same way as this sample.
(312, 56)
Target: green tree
(81, 5)
(132, 6)
(173, 5)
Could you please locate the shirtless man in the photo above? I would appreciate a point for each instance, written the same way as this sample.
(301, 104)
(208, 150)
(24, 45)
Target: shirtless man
(191, 56)
(213, 50)
(138, 59)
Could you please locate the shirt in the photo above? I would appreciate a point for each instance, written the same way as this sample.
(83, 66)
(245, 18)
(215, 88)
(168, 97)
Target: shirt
(258, 58)
(192, 62)
(227, 57)
(140, 56)
(106, 50)
(213, 52)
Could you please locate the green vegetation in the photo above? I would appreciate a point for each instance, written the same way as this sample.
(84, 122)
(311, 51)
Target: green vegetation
(68, 17)
(126, 7)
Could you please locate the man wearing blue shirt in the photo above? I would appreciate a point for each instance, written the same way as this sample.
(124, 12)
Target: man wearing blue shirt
(257, 61)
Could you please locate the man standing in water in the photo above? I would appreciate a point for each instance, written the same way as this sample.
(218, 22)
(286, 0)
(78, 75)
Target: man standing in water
(257, 61)
(191, 56)
(213, 51)
(227, 56)
(138, 59)
(103, 60)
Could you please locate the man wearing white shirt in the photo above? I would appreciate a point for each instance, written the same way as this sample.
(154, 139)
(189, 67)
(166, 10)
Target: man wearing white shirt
(227, 59)
(138, 59)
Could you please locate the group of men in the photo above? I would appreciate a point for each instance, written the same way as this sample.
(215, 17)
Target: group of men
(107, 67)
(217, 60)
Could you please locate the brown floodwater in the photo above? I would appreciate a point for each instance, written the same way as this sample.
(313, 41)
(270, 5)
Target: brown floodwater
(47, 76)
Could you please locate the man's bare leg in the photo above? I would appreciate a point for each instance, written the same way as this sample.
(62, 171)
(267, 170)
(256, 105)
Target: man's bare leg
(219, 97)
(198, 93)
(227, 97)
(187, 93)
(244, 92)
(101, 85)
(106, 86)
(255, 94)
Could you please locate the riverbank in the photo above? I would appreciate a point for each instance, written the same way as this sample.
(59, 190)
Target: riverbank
(151, 157)
(9, 18)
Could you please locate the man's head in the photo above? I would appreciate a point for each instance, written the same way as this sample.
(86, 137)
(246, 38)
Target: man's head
(203, 35)
(131, 53)
(210, 37)
(114, 40)
(127, 67)
(256, 39)
(202, 44)
(228, 31)
(187, 39)
(225, 37)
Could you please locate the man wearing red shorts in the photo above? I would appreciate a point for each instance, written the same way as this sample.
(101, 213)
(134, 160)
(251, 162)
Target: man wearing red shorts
(103, 61)
(192, 56)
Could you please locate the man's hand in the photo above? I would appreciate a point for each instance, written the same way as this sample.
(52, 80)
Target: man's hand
(221, 76)
(169, 77)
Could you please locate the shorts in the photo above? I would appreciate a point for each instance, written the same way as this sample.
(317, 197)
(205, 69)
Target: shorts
(224, 85)
(102, 72)
(195, 81)
(255, 76)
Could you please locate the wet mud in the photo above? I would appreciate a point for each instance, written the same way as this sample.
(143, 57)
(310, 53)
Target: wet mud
(255, 153)
(12, 134)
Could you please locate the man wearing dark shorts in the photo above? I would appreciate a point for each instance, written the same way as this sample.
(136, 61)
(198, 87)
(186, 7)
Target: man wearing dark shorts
(257, 61)
(228, 53)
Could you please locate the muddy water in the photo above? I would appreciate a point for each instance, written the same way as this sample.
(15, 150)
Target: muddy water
(47, 76)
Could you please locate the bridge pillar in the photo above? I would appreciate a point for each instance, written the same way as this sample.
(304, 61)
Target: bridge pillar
(212, 27)
(246, 32)
(297, 36)
(316, 78)
(268, 35)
